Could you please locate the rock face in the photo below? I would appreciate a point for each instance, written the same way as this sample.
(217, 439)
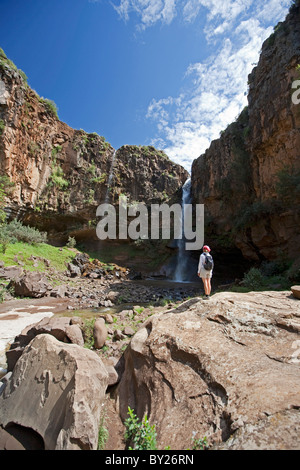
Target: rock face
(62, 387)
(249, 178)
(61, 175)
(227, 367)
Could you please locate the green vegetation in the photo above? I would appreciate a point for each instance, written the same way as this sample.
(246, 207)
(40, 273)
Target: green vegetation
(2, 126)
(15, 232)
(5, 187)
(55, 151)
(57, 173)
(199, 444)
(33, 148)
(50, 106)
(71, 242)
(99, 179)
(139, 434)
(251, 213)
(88, 329)
(57, 177)
(4, 61)
(103, 433)
(58, 257)
(271, 275)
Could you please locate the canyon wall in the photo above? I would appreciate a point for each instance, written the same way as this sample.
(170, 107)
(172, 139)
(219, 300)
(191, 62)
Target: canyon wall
(60, 174)
(249, 178)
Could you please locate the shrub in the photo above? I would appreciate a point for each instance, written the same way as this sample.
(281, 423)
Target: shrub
(140, 433)
(5, 61)
(253, 279)
(103, 434)
(50, 106)
(57, 177)
(200, 444)
(15, 231)
(71, 242)
(88, 329)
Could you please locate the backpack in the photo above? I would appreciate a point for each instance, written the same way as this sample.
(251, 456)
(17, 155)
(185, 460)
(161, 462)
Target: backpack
(209, 262)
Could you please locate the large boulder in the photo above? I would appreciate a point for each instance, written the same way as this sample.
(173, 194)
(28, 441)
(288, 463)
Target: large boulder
(62, 328)
(55, 392)
(212, 368)
(30, 284)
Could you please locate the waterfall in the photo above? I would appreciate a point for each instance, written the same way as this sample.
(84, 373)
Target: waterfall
(110, 176)
(182, 258)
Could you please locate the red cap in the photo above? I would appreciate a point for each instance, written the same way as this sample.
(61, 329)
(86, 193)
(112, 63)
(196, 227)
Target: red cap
(206, 248)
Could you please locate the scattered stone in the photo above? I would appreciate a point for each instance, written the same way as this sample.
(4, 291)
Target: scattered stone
(31, 284)
(112, 296)
(109, 319)
(99, 333)
(11, 272)
(106, 303)
(59, 292)
(74, 334)
(296, 291)
(74, 270)
(113, 377)
(77, 321)
(128, 331)
(118, 335)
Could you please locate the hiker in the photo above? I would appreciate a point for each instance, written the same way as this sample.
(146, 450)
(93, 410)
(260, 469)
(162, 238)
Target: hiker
(205, 269)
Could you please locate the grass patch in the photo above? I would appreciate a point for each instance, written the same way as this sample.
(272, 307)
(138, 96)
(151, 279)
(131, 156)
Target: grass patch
(58, 257)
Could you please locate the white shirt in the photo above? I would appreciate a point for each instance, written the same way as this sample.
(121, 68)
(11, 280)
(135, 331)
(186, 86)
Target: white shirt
(201, 263)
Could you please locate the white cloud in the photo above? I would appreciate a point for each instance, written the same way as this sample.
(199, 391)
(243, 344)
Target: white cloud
(149, 11)
(214, 90)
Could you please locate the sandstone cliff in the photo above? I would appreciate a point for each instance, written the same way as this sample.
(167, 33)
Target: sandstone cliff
(249, 178)
(61, 175)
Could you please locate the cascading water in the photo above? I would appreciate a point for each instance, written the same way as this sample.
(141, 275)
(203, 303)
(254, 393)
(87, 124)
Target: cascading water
(180, 274)
(110, 176)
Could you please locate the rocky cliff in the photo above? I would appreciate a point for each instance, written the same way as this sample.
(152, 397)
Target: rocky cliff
(249, 178)
(61, 175)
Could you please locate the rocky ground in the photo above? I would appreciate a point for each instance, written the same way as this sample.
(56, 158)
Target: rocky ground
(226, 368)
(87, 290)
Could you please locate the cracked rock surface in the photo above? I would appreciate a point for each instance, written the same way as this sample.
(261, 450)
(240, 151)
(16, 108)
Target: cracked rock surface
(223, 368)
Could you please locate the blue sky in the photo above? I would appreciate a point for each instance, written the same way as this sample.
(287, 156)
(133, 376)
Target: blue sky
(168, 73)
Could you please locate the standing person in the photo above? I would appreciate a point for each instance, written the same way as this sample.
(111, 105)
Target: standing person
(205, 270)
